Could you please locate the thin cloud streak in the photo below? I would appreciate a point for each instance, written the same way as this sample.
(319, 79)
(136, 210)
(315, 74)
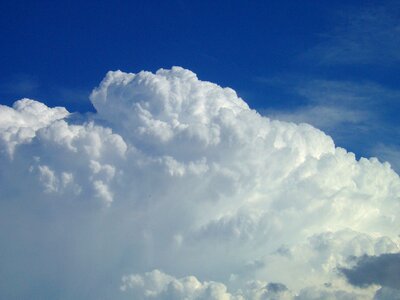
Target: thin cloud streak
(367, 35)
(352, 112)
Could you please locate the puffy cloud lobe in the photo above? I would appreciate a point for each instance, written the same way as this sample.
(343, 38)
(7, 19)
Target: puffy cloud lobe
(155, 108)
(159, 285)
(178, 174)
(19, 123)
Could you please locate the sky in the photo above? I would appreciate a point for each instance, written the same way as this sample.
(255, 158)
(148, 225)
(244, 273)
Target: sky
(199, 150)
(282, 57)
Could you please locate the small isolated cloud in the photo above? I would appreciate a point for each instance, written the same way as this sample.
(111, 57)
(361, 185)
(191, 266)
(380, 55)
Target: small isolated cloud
(177, 174)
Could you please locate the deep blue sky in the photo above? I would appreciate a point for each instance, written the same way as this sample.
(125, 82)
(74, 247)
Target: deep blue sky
(334, 64)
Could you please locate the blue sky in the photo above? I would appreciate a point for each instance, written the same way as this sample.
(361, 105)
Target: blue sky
(283, 57)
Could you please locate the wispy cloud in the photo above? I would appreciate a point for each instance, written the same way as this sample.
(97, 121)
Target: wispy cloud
(390, 153)
(20, 84)
(24, 85)
(359, 113)
(324, 117)
(329, 103)
(368, 35)
(75, 98)
(356, 114)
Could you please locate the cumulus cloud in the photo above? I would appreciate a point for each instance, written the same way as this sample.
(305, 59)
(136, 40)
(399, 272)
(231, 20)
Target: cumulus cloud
(157, 284)
(177, 174)
(19, 123)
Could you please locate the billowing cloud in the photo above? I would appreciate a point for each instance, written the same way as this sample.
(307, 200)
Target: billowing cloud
(176, 174)
(19, 123)
(157, 284)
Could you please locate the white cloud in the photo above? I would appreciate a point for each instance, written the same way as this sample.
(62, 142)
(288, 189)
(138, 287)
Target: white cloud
(178, 174)
(19, 123)
(158, 285)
